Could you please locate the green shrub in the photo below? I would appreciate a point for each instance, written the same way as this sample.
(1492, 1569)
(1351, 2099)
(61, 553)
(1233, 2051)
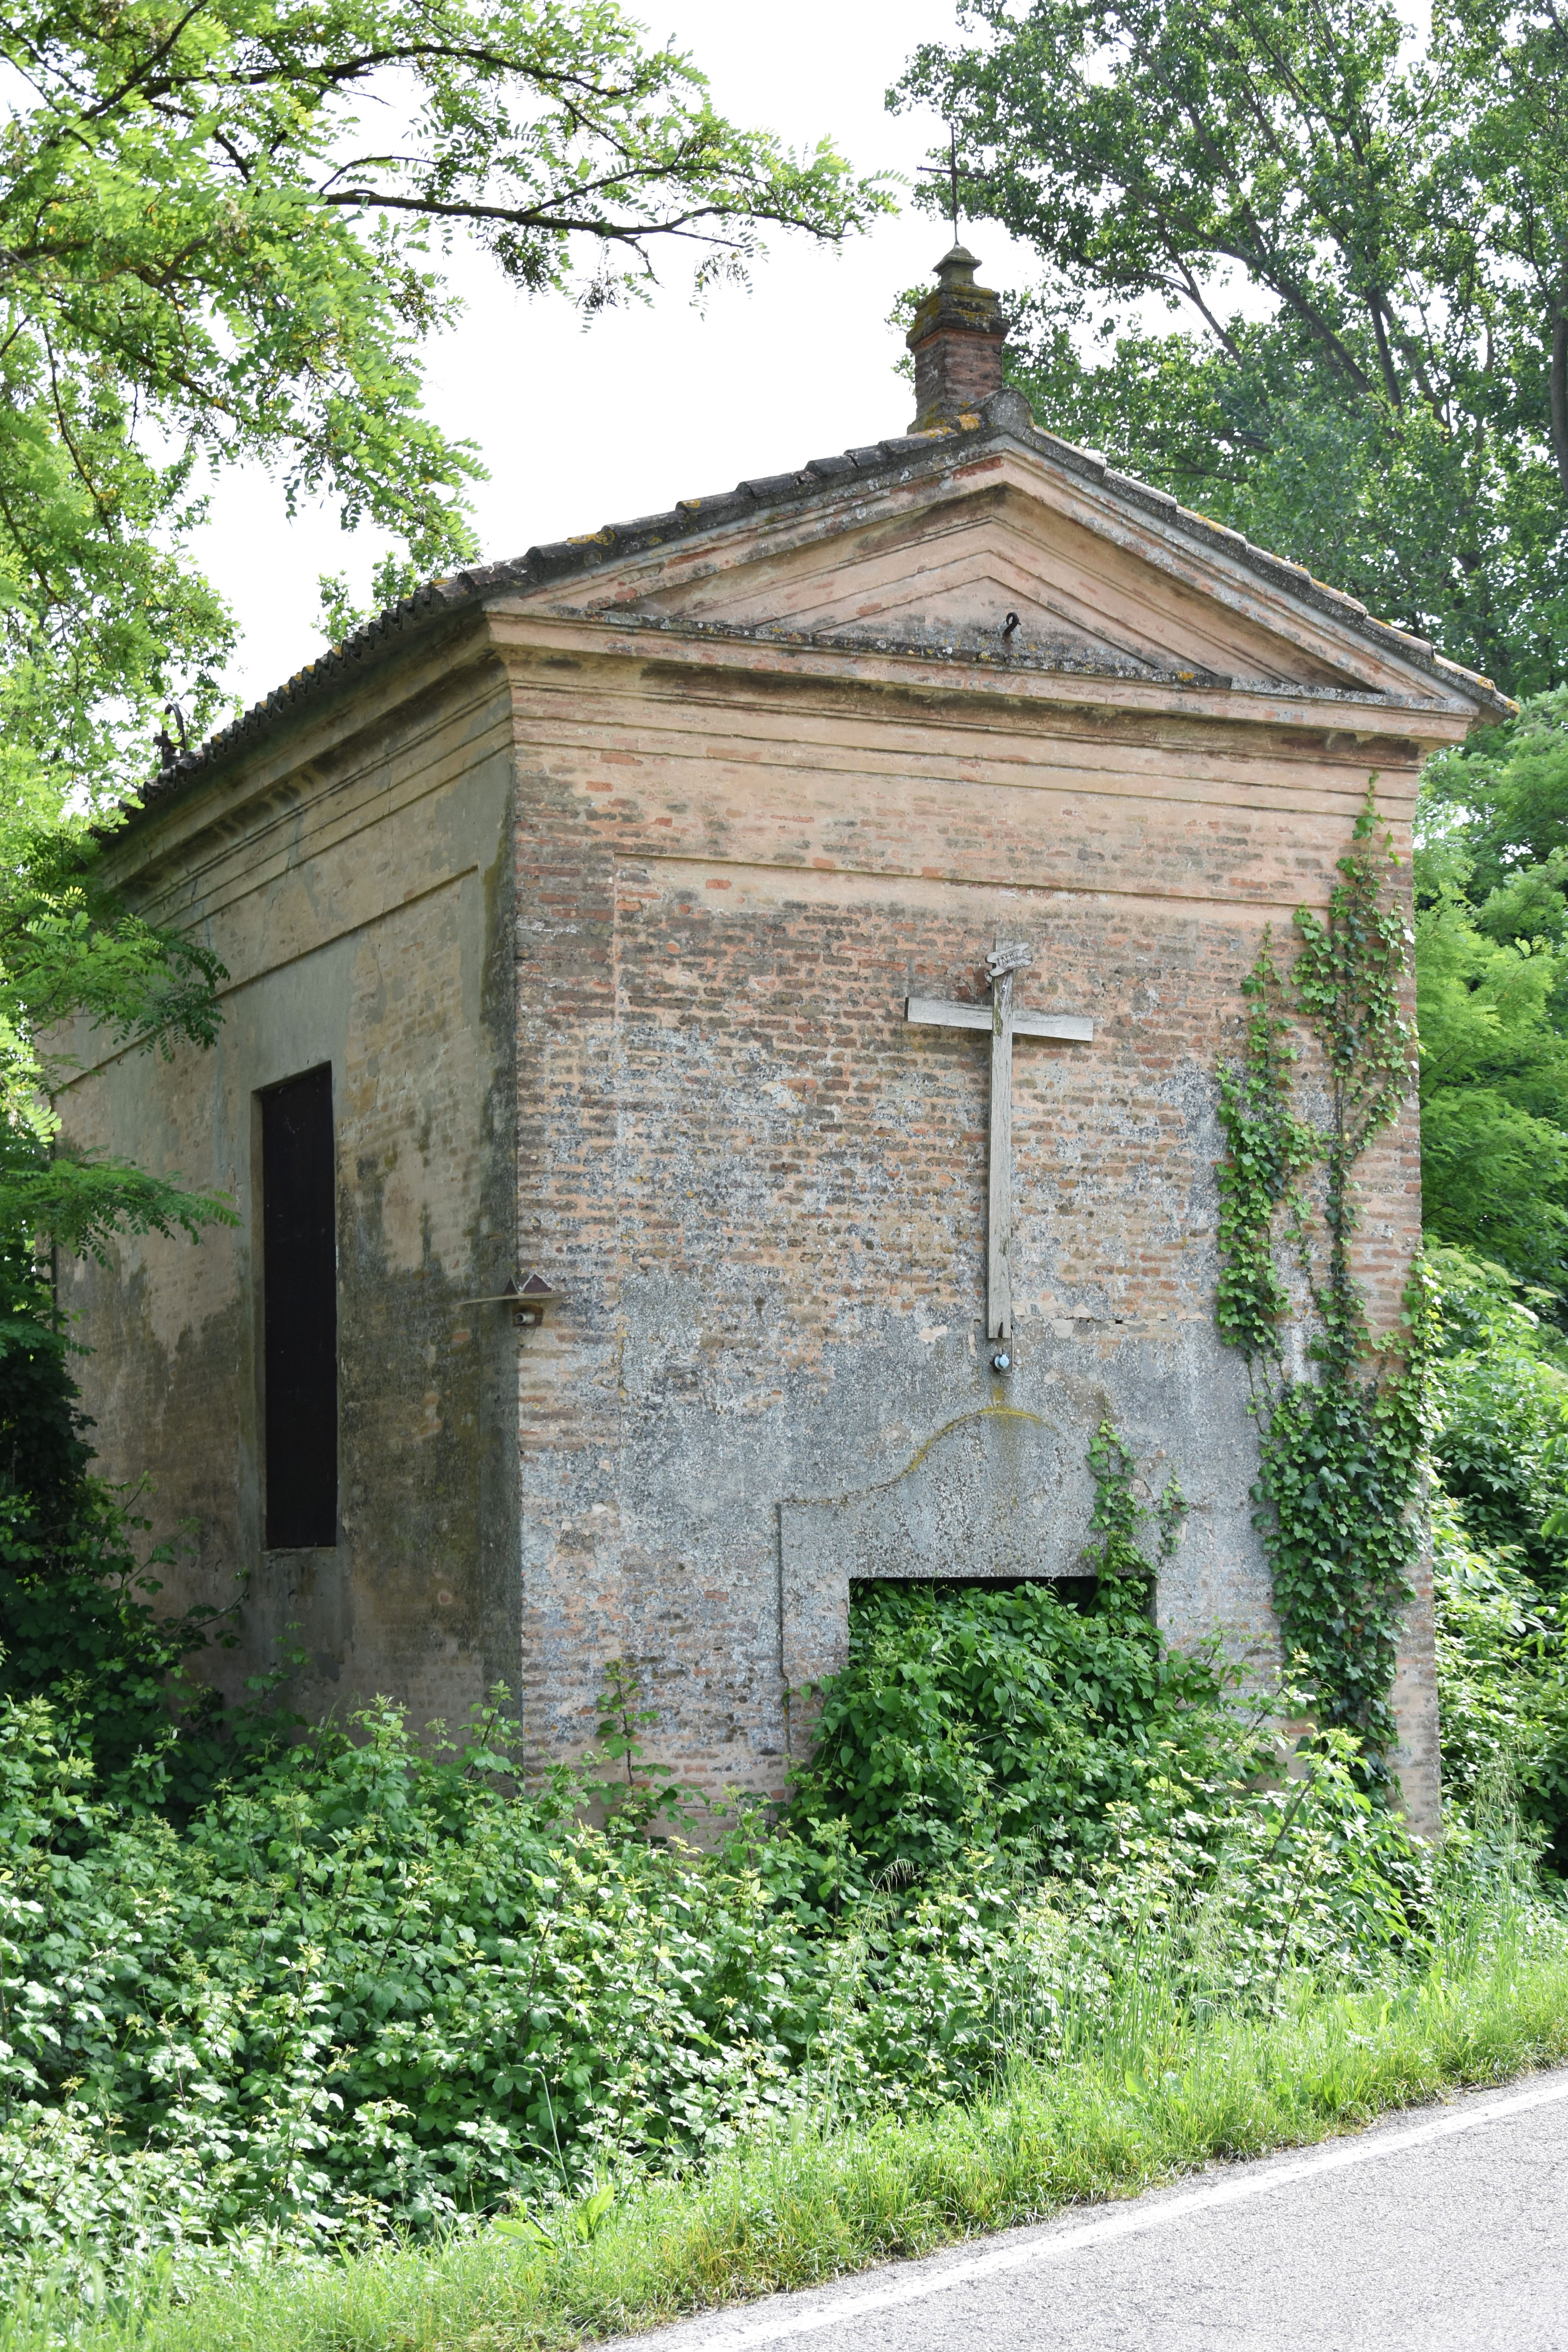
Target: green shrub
(970, 1715)
(1503, 1680)
(1500, 1415)
(1010, 1718)
(1159, 2094)
(381, 1986)
(377, 1979)
(1499, 1529)
(377, 1984)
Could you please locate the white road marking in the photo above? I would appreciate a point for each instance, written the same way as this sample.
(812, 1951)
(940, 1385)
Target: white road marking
(1126, 2223)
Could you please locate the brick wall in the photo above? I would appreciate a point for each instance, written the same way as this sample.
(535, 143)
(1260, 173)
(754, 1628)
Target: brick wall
(763, 1193)
(607, 942)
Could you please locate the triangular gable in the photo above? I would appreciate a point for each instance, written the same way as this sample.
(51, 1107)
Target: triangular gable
(1102, 574)
(923, 540)
(948, 575)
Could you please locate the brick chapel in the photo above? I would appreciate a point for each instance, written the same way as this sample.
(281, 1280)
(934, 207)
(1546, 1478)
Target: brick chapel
(635, 921)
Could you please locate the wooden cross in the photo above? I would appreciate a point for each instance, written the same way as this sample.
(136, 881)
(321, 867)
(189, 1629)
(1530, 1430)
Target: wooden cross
(1009, 957)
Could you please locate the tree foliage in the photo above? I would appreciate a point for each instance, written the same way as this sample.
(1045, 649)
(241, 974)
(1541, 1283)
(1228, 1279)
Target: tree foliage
(81, 1627)
(1500, 1414)
(1492, 961)
(220, 224)
(1399, 419)
(221, 230)
(1499, 1524)
(80, 971)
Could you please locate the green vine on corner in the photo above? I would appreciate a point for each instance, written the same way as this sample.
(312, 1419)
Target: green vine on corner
(1339, 1427)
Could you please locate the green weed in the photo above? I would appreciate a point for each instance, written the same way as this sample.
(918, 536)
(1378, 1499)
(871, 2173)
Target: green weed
(1153, 2091)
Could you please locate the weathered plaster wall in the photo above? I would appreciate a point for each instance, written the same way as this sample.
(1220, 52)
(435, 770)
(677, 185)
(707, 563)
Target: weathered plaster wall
(357, 885)
(763, 1193)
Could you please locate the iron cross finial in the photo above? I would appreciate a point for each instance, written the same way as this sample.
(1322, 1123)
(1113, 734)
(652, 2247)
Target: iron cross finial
(951, 176)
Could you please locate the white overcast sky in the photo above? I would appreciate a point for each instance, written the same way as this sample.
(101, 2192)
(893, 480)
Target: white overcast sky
(581, 427)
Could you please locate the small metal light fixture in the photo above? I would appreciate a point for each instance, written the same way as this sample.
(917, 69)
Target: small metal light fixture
(1001, 1361)
(528, 1299)
(531, 1297)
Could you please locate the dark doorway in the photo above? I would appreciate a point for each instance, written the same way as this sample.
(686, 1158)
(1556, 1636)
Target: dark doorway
(299, 1312)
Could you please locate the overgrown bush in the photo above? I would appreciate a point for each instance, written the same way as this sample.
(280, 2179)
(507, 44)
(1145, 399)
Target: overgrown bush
(1008, 1716)
(379, 1981)
(1500, 1413)
(1500, 1528)
(375, 1983)
(78, 1620)
(1502, 1679)
(382, 1984)
(390, 1989)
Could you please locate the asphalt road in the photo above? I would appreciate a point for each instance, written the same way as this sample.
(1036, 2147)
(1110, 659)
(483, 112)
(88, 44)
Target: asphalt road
(1446, 2226)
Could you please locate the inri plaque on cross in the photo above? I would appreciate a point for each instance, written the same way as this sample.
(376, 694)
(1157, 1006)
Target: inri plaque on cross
(1004, 1022)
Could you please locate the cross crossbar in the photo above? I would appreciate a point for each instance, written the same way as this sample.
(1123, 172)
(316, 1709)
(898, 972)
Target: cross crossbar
(936, 1013)
(1004, 1022)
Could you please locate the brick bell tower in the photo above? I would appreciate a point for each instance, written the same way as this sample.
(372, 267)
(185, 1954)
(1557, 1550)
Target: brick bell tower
(957, 341)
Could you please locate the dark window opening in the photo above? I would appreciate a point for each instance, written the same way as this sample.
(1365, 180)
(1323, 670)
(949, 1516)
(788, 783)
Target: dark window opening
(1078, 1593)
(299, 1312)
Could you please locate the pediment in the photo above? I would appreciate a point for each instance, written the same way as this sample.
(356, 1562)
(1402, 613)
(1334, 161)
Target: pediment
(924, 544)
(939, 563)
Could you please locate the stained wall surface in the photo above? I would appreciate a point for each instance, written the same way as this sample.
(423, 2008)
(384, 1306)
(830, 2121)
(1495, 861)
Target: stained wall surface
(356, 883)
(763, 1192)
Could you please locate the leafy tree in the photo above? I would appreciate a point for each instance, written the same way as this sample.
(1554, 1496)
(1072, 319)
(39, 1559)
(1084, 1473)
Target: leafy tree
(74, 961)
(1494, 1086)
(1491, 961)
(1501, 800)
(1502, 1682)
(79, 1624)
(221, 225)
(75, 1615)
(1499, 1413)
(1499, 1524)
(1398, 421)
(218, 222)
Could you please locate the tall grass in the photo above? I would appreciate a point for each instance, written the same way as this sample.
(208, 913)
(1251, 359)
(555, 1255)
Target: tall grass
(1161, 2087)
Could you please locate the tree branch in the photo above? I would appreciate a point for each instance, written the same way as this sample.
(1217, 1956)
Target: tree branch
(138, 77)
(530, 216)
